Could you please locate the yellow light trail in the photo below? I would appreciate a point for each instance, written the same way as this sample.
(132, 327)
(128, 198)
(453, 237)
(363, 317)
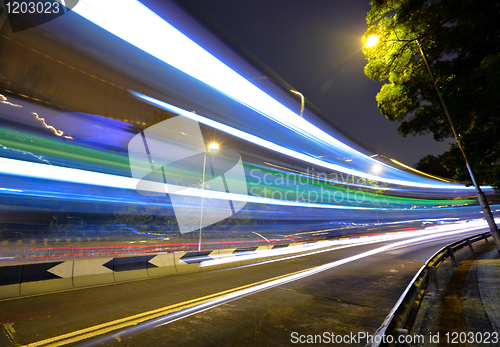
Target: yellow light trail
(50, 127)
(419, 172)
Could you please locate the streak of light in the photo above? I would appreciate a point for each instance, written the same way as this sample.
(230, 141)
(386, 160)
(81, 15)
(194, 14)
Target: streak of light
(260, 235)
(283, 150)
(141, 247)
(169, 314)
(11, 190)
(3, 100)
(177, 50)
(425, 234)
(25, 152)
(64, 174)
(325, 179)
(50, 127)
(417, 171)
(184, 54)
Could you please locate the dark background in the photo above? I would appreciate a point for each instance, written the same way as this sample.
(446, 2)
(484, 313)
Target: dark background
(315, 46)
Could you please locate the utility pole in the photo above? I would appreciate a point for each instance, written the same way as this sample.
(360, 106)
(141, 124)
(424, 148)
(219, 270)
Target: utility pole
(480, 195)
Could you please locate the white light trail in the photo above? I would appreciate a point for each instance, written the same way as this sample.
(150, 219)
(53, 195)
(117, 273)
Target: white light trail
(138, 25)
(64, 174)
(327, 246)
(294, 154)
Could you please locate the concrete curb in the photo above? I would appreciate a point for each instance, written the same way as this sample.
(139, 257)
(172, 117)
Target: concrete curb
(39, 278)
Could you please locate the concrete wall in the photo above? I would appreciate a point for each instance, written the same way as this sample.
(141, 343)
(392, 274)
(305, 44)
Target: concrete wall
(37, 278)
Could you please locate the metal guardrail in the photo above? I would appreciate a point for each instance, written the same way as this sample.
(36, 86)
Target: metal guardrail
(402, 316)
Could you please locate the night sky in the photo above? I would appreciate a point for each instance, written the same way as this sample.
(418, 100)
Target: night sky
(315, 45)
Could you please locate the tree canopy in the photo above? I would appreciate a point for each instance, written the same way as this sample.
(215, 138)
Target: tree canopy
(461, 40)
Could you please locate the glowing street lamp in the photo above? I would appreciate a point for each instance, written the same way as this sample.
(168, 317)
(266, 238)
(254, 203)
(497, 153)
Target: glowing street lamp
(212, 148)
(376, 168)
(372, 41)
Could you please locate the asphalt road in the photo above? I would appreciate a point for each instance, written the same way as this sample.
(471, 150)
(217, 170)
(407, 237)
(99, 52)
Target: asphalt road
(351, 297)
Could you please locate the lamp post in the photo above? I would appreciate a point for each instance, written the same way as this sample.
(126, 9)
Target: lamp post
(212, 148)
(483, 202)
(301, 101)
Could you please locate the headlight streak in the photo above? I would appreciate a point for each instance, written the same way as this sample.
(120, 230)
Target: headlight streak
(434, 231)
(185, 55)
(63, 174)
(320, 178)
(177, 50)
(277, 182)
(119, 16)
(289, 152)
(11, 190)
(77, 176)
(206, 302)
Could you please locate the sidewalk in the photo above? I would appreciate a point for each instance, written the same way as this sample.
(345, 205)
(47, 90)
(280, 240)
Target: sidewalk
(466, 311)
(489, 287)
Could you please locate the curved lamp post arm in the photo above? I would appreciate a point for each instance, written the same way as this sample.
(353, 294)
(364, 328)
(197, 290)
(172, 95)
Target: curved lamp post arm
(301, 101)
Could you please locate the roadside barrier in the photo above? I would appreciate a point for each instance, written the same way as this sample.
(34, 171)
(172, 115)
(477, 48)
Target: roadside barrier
(118, 263)
(402, 317)
(46, 277)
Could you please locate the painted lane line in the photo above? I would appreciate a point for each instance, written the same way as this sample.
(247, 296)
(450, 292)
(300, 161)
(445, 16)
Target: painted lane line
(141, 317)
(191, 306)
